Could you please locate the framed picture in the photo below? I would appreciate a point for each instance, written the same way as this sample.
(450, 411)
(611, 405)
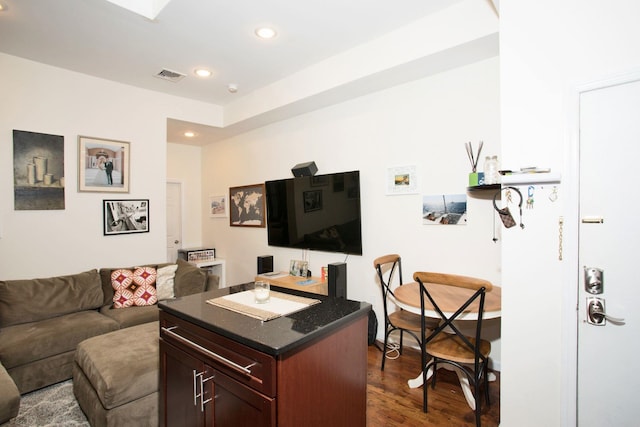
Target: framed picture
(298, 268)
(312, 200)
(125, 216)
(38, 171)
(402, 180)
(103, 165)
(218, 206)
(247, 206)
(444, 209)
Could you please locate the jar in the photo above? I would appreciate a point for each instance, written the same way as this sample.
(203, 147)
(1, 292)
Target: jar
(491, 175)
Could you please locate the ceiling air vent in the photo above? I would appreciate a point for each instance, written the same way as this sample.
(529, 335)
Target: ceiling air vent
(172, 76)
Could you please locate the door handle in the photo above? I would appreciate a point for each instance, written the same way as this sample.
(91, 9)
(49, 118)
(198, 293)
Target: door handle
(596, 314)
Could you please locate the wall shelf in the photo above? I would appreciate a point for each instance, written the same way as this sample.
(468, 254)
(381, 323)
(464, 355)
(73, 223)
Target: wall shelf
(530, 178)
(483, 187)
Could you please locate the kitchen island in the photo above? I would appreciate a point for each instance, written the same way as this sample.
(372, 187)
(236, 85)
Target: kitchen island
(222, 368)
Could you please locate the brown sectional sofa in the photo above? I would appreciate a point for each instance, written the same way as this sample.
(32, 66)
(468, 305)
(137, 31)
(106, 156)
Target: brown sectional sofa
(42, 321)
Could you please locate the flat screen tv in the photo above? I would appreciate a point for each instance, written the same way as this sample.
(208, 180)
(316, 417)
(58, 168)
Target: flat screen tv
(320, 212)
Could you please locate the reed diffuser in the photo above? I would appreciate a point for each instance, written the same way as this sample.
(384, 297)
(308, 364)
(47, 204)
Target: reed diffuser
(475, 177)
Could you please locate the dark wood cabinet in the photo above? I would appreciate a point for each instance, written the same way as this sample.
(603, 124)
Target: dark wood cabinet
(208, 380)
(181, 374)
(211, 380)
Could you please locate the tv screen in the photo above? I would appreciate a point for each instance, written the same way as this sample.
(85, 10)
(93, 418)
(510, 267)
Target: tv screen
(320, 212)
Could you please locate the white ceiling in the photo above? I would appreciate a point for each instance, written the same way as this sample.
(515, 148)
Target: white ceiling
(98, 38)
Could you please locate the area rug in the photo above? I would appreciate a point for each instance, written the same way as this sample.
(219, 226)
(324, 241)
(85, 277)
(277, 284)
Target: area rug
(52, 406)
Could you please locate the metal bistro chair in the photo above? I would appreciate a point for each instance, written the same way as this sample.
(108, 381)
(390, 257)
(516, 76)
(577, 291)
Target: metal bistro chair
(446, 344)
(399, 319)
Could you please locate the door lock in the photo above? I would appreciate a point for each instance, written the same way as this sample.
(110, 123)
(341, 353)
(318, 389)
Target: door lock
(595, 311)
(596, 314)
(593, 280)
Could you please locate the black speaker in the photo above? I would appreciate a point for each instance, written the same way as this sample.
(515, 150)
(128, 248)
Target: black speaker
(304, 169)
(338, 280)
(265, 264)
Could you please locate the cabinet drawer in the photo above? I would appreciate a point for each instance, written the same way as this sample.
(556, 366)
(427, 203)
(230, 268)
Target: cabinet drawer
(246, 365)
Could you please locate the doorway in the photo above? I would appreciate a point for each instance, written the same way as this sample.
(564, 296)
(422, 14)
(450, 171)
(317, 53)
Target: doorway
(174, 220)
(608, 239)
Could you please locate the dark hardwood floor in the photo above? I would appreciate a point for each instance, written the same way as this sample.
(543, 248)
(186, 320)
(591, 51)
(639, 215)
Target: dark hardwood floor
(390, 401)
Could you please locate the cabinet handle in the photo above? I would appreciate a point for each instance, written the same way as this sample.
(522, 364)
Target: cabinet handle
(195, 388)
(202, 401)
(244, 370)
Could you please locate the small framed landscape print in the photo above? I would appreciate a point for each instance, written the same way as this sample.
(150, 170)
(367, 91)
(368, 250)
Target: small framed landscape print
(402, 180)
(218, 206)
(247, 206)
(103, 165)
(125, 216)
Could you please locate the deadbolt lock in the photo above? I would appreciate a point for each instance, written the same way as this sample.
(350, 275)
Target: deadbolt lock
(593, 280)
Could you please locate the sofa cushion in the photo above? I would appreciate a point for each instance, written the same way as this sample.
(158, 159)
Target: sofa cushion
(134, 287)
(9, 397)
(189, 279)
(105, 278)
(131, 316)
(165, 281)
(25, 301)
(27, 342)
(122, 366)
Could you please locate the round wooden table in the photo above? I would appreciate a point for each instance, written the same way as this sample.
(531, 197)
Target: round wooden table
(450, 299)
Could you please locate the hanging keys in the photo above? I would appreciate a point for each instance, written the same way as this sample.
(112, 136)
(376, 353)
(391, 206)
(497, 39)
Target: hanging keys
(554, 194)
(530, 197)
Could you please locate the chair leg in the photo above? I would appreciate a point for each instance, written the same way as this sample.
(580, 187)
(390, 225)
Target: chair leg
(424, 386)
(384, 347)
(486, 385)
(433, 374)
(478, 408)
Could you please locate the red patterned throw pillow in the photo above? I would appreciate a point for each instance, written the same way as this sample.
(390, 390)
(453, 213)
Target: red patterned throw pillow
(134, 287)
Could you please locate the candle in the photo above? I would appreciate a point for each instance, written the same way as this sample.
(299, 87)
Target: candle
(261, 292)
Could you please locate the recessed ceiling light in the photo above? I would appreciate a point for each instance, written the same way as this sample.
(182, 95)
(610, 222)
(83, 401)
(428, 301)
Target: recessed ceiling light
(189, 134)
(202, 72)
(266, 32)
(2, 7)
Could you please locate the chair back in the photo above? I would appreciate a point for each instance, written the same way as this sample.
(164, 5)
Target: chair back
(429, 280)
(386, 267)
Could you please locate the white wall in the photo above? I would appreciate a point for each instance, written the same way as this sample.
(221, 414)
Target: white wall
(424, 123)
(45, 99)
(547, 50)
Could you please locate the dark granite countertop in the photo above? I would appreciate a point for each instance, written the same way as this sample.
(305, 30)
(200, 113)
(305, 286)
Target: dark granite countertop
(274, 337)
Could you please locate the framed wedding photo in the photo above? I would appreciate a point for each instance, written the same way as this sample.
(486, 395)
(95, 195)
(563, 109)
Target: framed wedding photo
(103, 165)
(125, 216)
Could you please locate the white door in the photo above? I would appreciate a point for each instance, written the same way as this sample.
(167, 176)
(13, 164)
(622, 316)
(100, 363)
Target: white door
(174, 220)
(608, 379)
